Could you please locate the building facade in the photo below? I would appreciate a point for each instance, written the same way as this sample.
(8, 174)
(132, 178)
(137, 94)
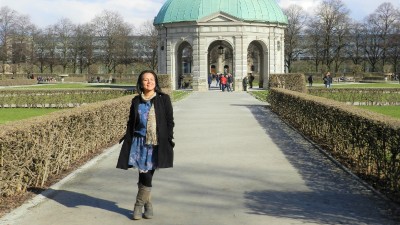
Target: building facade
(201, 37)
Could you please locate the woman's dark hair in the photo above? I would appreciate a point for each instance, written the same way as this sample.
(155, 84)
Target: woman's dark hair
(139, 85)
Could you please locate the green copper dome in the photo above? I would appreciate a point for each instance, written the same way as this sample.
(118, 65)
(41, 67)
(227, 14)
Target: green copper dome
(266, 11)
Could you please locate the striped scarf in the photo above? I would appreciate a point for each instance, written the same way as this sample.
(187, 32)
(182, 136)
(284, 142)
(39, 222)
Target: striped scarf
(151, 131)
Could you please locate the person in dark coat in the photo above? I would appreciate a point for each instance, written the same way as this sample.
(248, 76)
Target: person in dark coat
(251, 79)
(210, 78)
(310, 80)
(148, 141)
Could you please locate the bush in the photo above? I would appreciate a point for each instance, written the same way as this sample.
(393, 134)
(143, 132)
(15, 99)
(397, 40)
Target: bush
(57, 98)
(36, 149)
(366, 142)
(360, 96)
(294, 82)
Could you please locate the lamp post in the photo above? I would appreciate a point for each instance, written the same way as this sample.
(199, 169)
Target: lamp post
(220, 59)
(220, 50)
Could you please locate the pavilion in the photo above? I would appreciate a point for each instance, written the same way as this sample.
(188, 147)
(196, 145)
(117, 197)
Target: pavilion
(199, 37)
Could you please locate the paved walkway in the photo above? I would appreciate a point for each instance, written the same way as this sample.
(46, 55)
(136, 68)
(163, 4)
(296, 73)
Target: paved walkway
(235, 163)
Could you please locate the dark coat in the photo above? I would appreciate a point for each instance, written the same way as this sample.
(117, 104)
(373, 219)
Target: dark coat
(165, 125)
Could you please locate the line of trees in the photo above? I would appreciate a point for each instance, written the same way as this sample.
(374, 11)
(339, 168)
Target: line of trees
(330, 38)
(107, 42)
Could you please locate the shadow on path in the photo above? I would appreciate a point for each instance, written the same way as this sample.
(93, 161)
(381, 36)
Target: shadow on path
(334, 197)
(72, 200)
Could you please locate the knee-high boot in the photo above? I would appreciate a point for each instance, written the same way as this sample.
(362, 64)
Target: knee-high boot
(143, 199)
(140, 201)
(148, 207)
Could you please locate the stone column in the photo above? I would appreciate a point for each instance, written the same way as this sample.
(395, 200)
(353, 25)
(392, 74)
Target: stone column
(240, 61)
(171, 67)
(199, 69)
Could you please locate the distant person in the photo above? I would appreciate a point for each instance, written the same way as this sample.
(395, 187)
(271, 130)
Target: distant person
(251, 79)
(223, 81)
(217, 79)
(229, 82)
(148, 141)
(310, 80)
(244, 83)
(327, 80)
(210, 78)
(181, 83)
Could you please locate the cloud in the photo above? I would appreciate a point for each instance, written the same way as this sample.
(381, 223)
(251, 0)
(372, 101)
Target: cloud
(359, 9)
(308, 5)
(45, 12)
(136, 12)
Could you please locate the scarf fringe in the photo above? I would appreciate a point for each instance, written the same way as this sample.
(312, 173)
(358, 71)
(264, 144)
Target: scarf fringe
(151, 131)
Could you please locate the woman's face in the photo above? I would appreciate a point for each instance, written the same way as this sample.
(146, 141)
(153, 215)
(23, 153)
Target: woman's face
(148, 82)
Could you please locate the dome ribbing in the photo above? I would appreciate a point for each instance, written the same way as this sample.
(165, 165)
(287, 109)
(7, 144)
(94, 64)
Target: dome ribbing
(264, 11)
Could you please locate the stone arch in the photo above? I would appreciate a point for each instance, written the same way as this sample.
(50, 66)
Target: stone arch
(257, 61)
(184, 64)
(220, 55)
(213, 51)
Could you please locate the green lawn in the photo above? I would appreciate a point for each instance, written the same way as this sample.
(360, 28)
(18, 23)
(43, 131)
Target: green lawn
(393, 111)
(260, 95)
(178, 95)
(363, 85)
(76, 85)
(13, 114)
(58, 86)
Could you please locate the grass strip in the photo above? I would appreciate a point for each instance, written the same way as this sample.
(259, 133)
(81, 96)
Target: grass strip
(14, 114)
(392, 111)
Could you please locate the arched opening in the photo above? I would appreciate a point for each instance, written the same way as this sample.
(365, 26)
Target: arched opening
(226, 69)
(257, 63)
(213, 69)
(184, 65)
(220, 60)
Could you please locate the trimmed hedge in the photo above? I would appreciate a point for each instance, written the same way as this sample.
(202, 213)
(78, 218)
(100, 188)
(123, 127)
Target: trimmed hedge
(368, 143)
(56, 98)
(290, 81)
(360, 96)
(35, 149)
(17, 82)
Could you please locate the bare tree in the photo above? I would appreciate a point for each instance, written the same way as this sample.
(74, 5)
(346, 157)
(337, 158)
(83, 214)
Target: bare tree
(333, 17)
(40, 50)
(296, 22)
(109, 27)
(20, 42)
(49, 43)
(63, 31)
(393, 53)
(32, 46)
(147, 47)
(8, 19)
(339, 43)
(354, 50)
(125, 46)
(382, 21)
(83, 47)
(372, 42)
(314, 42)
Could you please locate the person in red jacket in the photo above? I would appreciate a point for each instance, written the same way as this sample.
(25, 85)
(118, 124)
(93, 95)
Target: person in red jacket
(148, 141)
(223, 82)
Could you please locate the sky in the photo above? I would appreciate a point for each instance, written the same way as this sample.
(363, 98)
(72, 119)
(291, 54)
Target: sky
(48, 12)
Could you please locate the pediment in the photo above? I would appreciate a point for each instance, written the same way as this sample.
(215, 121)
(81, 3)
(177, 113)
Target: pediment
(218, 18)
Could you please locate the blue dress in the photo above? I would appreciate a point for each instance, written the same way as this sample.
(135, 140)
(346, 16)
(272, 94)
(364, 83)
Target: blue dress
(141, 154)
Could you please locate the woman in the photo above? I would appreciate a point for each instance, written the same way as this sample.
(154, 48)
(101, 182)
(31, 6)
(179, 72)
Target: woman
(148, 141)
